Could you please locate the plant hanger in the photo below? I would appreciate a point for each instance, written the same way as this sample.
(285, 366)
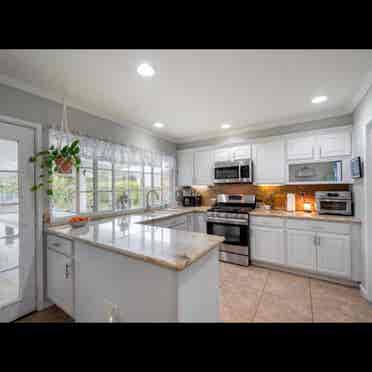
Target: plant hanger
(57, 159)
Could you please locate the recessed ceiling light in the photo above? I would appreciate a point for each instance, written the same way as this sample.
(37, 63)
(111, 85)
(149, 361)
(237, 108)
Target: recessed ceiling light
(145, 70)
(319, 99)
(225, 126)
(158, 125)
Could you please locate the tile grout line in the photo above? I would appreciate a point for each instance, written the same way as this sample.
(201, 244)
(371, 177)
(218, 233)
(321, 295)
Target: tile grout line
(311, 302)
(261, 295)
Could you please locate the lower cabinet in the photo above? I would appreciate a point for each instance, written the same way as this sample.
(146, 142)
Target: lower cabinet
(60, 283)
(199, 223)
(334, 254)
(301, 252)
(267, 244)
(300, 245)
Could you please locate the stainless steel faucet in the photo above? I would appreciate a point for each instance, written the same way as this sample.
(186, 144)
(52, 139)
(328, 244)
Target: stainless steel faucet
(147, 197)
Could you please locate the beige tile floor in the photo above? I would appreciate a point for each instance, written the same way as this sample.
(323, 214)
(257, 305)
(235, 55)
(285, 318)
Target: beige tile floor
(253, 294)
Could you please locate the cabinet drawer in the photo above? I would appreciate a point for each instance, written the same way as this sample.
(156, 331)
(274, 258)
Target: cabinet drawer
(60, 245)
(267, 221)
(321, 226)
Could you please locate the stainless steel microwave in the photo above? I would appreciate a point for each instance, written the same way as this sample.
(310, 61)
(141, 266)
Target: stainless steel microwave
(240, 171)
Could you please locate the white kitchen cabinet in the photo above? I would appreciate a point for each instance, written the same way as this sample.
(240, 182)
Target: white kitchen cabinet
(301, 252)
(203, 167)
(269, 162)
(334, 255)
(60, 281)
(199, 223)
(335, 144)
(185, 166)
(267, 244)
(222, 155)
(241, 152)
(301, 148)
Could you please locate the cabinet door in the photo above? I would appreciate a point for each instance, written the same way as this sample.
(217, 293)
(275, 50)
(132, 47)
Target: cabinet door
(203, 169)
(267, 244)
(301, 249)
(222, 155)
(200, 223)
(241, 152)
(334, 255)
(185, 166)
(60, 280)
(335, 144)
(300, 148)
(269, 163)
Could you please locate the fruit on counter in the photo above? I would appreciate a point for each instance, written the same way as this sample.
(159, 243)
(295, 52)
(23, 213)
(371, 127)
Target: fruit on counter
(78, 219)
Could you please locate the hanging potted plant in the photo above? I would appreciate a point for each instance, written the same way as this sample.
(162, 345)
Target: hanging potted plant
(56, 160)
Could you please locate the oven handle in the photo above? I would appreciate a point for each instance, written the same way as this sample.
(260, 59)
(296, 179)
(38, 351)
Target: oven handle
(230, 222)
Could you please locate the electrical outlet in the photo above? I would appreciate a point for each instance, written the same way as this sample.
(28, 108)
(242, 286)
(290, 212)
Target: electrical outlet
(112, 312)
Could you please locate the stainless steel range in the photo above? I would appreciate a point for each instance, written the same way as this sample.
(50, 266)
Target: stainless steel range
(230, 218)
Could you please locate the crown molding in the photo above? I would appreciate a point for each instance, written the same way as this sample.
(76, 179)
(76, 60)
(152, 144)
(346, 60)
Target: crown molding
(53, 96)
(261, 126)
(361, 92)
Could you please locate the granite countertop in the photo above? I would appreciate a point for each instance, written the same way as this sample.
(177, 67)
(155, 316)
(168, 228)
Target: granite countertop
(134, 235)
(303, 215)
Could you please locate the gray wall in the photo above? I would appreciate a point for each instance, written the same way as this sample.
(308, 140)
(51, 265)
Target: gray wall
(250, 135)
(22, 105)
(362, 116)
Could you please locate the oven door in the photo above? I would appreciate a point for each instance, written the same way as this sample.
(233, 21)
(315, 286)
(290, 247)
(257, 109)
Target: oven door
(226, 174)
(233, 234)
(332, 206)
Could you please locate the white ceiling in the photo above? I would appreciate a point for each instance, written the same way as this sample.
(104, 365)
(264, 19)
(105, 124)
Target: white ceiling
(194, 91)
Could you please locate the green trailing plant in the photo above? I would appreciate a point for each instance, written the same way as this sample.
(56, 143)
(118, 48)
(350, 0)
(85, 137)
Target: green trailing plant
(55, 160)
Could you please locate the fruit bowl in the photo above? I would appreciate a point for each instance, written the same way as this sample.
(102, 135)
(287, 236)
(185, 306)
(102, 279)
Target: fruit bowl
(78, 221)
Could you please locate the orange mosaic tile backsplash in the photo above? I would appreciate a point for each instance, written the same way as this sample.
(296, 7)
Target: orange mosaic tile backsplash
(304, 193)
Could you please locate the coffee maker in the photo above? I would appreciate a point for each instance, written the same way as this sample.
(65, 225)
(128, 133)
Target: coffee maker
(188, 197)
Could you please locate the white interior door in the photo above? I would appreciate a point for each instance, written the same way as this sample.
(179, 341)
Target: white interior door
(17, 223)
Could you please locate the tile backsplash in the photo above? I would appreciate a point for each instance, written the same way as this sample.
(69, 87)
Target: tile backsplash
(304, 193)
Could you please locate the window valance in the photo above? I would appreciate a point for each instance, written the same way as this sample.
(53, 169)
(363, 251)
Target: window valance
(92, 148)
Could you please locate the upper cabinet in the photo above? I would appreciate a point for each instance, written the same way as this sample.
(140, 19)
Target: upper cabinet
(233, 153)
(185, 166)
(195, 167)
(331, 144)
(222, 155)
(241, 152)
(203, 167)
(335, 144)
(269, 162)
(300, 148)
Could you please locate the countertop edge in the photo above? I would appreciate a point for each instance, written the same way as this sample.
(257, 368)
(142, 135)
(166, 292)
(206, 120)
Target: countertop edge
(155, 261)
(312, 217)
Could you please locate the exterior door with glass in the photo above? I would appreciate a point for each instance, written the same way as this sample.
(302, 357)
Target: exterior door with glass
(17, 223)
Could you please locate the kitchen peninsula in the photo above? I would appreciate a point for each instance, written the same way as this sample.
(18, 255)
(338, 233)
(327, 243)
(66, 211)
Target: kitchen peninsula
(129, 269)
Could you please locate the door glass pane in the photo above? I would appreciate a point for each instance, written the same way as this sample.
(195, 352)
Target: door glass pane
(9, 222)
(8, 188)
(8, 158)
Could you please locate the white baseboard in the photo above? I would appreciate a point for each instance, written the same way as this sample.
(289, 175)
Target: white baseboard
(363, 291)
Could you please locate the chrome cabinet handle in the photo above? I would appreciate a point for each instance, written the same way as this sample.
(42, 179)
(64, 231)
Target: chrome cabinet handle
(67, 271)
(318, 240)
(56, 244)
(314, 239)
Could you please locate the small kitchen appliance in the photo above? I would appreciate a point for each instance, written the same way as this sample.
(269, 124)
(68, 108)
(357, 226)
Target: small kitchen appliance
(230, 218)
(334, 202)
(291, 202)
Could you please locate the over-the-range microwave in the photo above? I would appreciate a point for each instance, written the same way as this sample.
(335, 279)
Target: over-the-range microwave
(239, 171)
